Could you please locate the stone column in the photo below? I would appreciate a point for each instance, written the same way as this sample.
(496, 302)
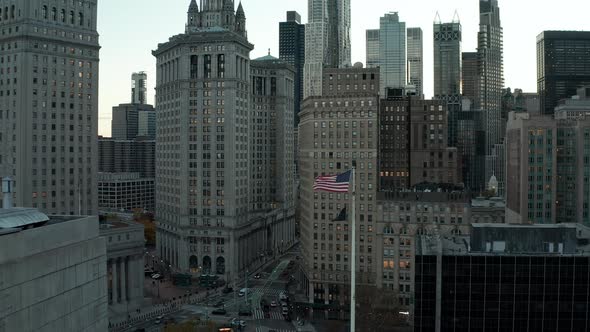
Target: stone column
(115, 280)
(140, 277)
(124, 271)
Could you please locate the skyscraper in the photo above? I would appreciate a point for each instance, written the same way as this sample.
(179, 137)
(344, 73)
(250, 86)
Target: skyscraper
(490, 71)
(469, 76)
(138, 88)
(372, 36)
(563, 65)
(447, 71)
(416, 60)
(327, 41)
(49, 104)
(392, 52)
(337, 129)
(130, 121)
(292, 50)
(213, 216)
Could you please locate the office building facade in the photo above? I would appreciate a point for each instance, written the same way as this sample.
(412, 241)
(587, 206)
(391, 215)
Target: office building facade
(447, 72)
(327, 41)
(548, 170)
(415, 55)
(209, 222)
(469, 75)
(563, 66)
(471, 147)
(292, 50)
(124, 156)
(125, 192)
(527, 278)
(337, 129)
(413, 144)
(392, 52)
(372, 51)
(49, 104)
(577, 107)
(130, 121)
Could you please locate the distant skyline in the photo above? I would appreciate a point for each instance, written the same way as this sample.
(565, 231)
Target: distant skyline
(131, 29)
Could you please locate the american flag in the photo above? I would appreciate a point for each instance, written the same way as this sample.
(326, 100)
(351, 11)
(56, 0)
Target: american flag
(333, 183)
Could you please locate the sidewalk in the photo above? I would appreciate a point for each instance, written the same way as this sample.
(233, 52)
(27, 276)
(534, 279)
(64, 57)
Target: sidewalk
(153, 311)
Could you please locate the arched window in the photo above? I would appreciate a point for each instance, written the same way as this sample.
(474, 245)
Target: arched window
(44, 12)
(71, 17)
(62, 16)
(81, 19)
(388, 230)
(54, 14)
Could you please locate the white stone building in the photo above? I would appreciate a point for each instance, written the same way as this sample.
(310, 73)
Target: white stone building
(52, 273)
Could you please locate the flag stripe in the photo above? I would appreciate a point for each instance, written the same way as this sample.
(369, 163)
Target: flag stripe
(333, 183)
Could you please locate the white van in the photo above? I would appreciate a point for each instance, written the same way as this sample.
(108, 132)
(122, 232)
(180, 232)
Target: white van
(243, 292)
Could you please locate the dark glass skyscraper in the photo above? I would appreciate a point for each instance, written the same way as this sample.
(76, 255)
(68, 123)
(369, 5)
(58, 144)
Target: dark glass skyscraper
(563, 65)
(469, 75)
(447, 71)
(292, 51)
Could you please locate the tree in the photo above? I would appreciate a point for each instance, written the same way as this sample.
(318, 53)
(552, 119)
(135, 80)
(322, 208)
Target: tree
(147, 220)
(378, 310)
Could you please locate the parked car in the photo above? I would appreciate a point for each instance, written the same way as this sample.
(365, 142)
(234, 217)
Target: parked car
(227, 290)
(257, 276)
(273, 304)
(219, 312)
(157, 276)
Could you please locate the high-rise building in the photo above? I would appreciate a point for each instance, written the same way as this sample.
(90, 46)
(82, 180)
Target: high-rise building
(469, 76)
(35, 252)
(127, 156)
(138, 88)
(336, 130)
(214, 216)
(372, 36)
(548, 169)
(447, 72)
(470, 143)
(490, 72)
(327, 41)
(392, 52)
(137, 119)
(49, 104)
(563, 65)
(527, 278)
(125, 192)
(413, 144)
(130, 121)
(415, 65)
(292, 50)
(578, 107)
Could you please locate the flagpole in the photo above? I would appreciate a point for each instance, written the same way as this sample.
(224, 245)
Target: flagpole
(353, 254)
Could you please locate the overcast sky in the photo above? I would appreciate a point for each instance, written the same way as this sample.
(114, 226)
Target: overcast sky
(131, 29)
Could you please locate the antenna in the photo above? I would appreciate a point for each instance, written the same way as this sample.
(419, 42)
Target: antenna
(456, 18)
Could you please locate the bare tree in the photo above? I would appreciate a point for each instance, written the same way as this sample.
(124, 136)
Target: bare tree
(378, 310)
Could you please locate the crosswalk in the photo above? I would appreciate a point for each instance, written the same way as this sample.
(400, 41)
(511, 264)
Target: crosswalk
(274, 314)
(266, 329)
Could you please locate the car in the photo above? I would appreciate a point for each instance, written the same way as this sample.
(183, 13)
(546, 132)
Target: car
(219, 312)
(285, 311)
(237, 322)
(245, 312)
(159, 319)
(273, 304)
(227, 290)
(243, 292)
(257, 276)
(157, 276)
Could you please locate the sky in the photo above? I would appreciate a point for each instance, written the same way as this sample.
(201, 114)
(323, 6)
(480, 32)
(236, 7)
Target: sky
(130, 29)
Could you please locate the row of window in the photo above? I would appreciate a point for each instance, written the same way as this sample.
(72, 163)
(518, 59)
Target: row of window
(62, 16)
